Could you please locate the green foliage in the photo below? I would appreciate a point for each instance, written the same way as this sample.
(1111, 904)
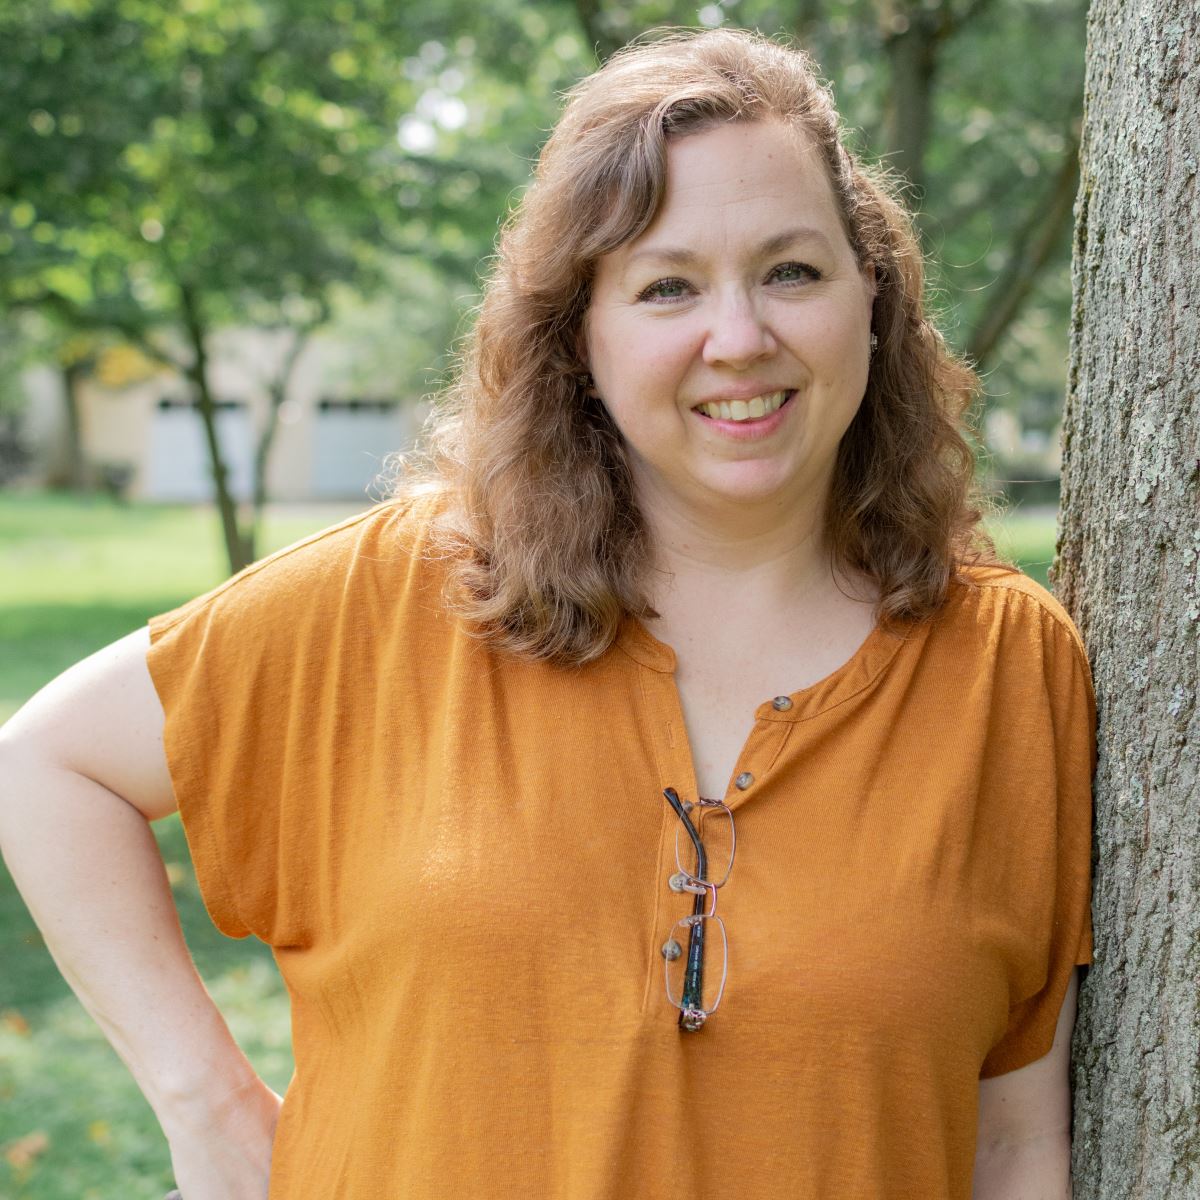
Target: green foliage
(238, 148)
(1006, 87)
(73, 1124)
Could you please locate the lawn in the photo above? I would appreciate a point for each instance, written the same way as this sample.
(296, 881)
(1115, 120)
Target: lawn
(74, 576)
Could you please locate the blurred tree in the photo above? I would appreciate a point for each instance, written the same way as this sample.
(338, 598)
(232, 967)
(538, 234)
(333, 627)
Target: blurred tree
(174, 168)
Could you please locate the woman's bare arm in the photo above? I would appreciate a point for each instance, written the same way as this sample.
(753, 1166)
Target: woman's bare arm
(1023, 1147)
(82, 772)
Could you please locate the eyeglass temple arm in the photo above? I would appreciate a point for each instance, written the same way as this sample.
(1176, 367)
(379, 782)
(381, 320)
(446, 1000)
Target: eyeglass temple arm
(695, 959)
(701, 858)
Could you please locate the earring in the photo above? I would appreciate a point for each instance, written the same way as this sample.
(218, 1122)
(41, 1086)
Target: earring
(874, 343)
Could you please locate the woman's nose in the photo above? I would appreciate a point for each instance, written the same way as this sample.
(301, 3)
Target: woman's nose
(739, 334)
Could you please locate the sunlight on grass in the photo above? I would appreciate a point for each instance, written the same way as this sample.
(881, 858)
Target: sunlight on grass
(1027, 538)
(76, 574)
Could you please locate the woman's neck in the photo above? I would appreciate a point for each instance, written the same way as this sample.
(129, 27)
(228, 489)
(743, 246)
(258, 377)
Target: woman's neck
(766, 556)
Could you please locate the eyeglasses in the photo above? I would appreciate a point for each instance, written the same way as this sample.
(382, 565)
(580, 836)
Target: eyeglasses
(704, 856)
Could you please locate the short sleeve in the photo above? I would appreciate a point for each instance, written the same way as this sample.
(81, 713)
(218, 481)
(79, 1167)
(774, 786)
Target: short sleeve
(261, 682)
(215, 663)
(1064, 694)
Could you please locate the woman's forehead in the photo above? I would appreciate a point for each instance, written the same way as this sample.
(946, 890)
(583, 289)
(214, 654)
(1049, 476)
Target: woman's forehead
(754, 188)
(740, 161)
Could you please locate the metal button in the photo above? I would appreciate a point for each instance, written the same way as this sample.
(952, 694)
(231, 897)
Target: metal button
(671, 949)
(781, 703)
(743, 781)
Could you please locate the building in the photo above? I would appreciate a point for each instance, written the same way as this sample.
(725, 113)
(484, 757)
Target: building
(140, 433)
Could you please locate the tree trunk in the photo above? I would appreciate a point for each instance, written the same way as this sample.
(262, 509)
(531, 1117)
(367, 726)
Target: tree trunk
(77, 477)
(237, 548)
(277, 390)
(912, 39)
(1033, 245)
(1127, 569)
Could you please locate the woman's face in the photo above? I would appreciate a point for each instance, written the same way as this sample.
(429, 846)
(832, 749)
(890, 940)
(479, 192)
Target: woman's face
(743, 290)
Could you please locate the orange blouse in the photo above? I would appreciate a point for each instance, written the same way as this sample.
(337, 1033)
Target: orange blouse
(461, 862)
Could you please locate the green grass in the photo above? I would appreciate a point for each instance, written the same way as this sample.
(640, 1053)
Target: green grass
(75, 575)
(68, 1102)
(1028, 538)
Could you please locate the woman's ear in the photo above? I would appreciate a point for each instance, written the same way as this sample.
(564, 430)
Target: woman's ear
(870, 278)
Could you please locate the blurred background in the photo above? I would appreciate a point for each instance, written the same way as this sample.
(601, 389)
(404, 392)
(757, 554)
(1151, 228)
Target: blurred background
(239, 243)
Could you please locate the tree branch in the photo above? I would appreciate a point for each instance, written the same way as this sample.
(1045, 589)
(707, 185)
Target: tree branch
(277, 390)
(1031, 248)
(589, 15)
(197, 332)
(995, 197)
(804, 20)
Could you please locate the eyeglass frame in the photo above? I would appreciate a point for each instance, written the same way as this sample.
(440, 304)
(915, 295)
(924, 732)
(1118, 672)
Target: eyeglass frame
(691, 1015)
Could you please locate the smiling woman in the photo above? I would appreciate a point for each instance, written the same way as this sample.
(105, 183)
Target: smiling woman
(687, 599)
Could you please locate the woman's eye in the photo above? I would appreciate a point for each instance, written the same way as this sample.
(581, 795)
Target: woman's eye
(664, 289)
(797, 272)
(672, 289)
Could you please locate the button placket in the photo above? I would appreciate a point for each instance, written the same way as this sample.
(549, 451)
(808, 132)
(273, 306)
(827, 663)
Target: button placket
(758, 755)
(673, 753)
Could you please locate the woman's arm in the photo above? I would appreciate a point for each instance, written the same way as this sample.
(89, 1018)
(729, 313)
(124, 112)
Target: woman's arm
(82, 772)
(1023, 1148)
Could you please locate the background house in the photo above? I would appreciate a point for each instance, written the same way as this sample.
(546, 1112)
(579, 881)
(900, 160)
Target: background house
(140, 433)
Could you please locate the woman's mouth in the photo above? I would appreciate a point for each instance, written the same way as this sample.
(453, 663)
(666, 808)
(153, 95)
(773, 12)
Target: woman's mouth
(745, 412)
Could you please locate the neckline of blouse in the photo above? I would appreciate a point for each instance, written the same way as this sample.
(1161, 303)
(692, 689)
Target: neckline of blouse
(856, 674)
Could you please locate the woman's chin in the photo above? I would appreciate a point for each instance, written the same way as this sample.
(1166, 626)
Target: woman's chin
(749, 485)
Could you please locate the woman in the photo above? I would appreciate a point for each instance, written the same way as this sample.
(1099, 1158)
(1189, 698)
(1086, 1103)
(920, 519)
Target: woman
(668, 792)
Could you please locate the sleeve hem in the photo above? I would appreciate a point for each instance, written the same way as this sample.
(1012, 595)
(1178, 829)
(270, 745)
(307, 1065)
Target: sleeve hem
(170, 676)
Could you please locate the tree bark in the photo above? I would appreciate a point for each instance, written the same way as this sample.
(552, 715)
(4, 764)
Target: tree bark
(277, 390)
(912, 38)
(597, 32)
(1127, 569)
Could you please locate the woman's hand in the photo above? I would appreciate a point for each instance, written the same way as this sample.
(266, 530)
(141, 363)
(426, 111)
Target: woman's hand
(222, 1150)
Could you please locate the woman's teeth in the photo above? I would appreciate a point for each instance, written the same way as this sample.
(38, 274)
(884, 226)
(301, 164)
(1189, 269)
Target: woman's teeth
(744, 410)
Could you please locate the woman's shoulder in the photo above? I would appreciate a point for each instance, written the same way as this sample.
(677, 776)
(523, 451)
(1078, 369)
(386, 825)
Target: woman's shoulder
(377, 551)
(993, 596)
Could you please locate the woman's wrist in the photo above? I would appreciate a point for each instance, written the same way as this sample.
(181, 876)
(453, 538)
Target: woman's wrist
(203, 1101)
(222, 1144)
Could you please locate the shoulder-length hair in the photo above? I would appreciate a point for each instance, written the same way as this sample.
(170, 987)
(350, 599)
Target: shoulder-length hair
(548, 550)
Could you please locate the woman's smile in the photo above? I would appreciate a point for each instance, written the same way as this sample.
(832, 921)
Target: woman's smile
(747, 421)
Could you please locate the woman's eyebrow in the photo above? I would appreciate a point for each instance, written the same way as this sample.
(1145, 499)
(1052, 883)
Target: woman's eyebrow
(681, 256)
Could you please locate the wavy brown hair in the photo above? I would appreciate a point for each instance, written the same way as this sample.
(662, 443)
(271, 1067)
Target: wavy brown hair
(548, 549)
